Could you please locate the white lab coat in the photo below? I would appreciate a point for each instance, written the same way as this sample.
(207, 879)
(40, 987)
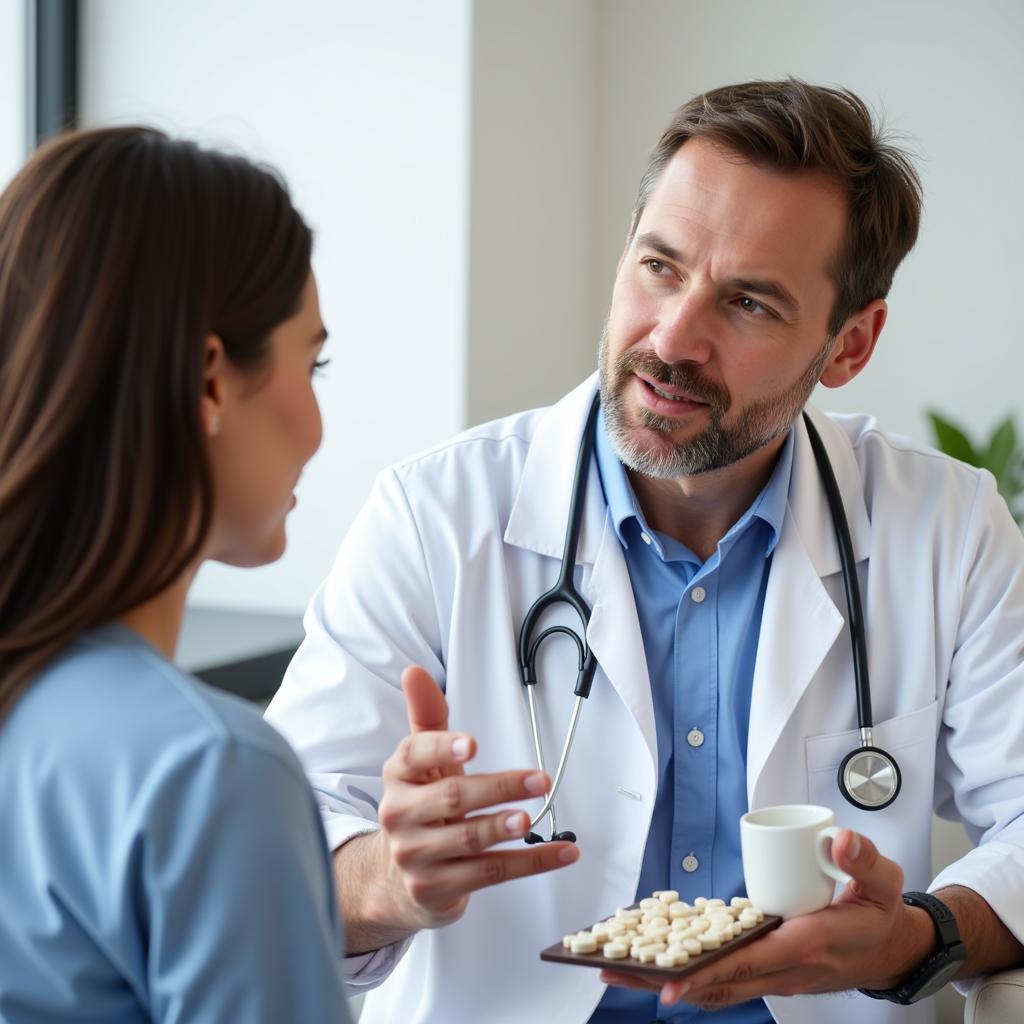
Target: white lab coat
(454, 545)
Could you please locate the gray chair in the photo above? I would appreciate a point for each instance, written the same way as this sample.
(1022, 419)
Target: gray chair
(997, 999)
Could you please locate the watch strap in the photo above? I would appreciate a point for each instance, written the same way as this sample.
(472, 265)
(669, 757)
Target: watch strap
(939, 966)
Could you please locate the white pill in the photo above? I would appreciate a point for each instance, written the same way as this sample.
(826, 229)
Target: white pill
(648, 902)
(707, 941)
(583, 943)
(642, 940)
(665, 959)
(713, 904)
(658, 910)
(699, 902)
(681, 909)
(669, 896)
(739, 902)
(601, 933)
(616, 950)
(736, 928)
(702, 924)
(681, 955)
(567, 941)
(657, 926)
(648, 955)
(693, 946)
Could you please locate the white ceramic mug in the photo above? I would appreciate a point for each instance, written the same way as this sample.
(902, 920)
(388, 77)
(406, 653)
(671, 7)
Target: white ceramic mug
(787, 858)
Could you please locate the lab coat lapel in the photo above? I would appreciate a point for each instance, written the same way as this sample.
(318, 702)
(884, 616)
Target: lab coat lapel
(538, 523)
(800, 622)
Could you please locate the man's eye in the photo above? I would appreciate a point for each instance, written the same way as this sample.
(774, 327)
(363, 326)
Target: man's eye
(656, 267)
(749, 305)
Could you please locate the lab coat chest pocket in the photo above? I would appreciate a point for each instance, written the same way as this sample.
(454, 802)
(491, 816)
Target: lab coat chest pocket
(902, 830)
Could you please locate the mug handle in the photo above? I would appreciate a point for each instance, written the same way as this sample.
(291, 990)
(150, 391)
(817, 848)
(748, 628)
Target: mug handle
(825, 861)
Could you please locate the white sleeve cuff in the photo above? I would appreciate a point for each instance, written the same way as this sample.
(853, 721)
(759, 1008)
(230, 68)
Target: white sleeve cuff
(363, 971)
(367, 970)
(995, 871)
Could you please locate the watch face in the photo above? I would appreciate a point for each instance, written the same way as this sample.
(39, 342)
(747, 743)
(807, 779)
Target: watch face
(944, 973)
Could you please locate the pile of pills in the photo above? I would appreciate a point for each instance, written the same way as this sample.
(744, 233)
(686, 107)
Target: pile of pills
(665, 931)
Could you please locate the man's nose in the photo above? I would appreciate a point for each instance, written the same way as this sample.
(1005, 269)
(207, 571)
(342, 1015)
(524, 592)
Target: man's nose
(683, 331)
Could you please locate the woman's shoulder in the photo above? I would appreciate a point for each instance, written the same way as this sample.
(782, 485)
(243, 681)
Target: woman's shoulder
(110, 705)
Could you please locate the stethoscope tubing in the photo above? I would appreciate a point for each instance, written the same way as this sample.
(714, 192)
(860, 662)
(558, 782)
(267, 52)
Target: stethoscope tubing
(877, 768)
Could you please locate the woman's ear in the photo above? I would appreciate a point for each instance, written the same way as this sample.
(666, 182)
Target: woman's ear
(211, 404)
(855, 344)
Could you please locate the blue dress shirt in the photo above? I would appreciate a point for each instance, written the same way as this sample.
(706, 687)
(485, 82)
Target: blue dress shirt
(700, 624)
(162, 857)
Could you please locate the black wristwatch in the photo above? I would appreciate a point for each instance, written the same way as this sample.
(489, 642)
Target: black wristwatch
(940, 965)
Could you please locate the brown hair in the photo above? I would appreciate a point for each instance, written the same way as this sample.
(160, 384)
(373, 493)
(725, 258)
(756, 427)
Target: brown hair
(791, 126)
(121, 251)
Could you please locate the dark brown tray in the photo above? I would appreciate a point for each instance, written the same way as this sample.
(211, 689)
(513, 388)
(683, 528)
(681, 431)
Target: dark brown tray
(560, 955)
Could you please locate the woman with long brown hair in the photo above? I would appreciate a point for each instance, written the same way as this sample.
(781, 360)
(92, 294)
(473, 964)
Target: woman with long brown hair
(161, 855)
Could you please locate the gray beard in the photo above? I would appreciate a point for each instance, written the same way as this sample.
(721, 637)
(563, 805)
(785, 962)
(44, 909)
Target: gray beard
(719, 445)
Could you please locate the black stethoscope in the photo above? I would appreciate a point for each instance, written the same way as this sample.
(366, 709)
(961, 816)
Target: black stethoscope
(869, 777)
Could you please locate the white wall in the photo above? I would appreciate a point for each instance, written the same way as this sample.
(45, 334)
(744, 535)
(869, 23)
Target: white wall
(12, 88)
(533, 324)
(947, 73)
(469, 166)
(364, 107)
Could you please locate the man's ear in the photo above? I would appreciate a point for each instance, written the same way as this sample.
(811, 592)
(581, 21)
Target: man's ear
(855, 344)
(211, 403)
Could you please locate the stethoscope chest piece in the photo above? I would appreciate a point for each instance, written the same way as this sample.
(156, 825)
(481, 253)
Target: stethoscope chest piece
(869, 778)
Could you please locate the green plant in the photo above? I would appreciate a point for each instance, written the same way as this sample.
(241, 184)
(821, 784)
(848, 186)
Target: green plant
(1002, 455)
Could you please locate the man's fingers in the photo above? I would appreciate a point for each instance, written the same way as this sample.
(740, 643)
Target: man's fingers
(459, 840)
(424, 700)
(457, 795)
(875, 878)
(452, 879)
(429, 754)
(635, 982)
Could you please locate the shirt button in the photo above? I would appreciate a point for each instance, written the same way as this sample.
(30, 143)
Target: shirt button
(645, 538)
(695, 738)
(698, 594)
(690, 863)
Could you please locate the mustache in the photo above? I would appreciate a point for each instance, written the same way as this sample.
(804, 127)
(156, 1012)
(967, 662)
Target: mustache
(679, 375)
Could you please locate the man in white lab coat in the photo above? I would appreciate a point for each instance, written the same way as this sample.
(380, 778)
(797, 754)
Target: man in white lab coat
(763, 243)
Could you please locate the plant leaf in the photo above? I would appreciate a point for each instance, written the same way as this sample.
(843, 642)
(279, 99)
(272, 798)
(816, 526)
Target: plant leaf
(952, 440)
(1002, 447)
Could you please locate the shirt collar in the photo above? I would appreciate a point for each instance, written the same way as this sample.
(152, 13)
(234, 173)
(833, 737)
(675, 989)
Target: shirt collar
(769, 505)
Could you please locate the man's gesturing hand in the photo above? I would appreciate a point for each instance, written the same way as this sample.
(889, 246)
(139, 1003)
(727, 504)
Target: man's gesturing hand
(436, 851)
